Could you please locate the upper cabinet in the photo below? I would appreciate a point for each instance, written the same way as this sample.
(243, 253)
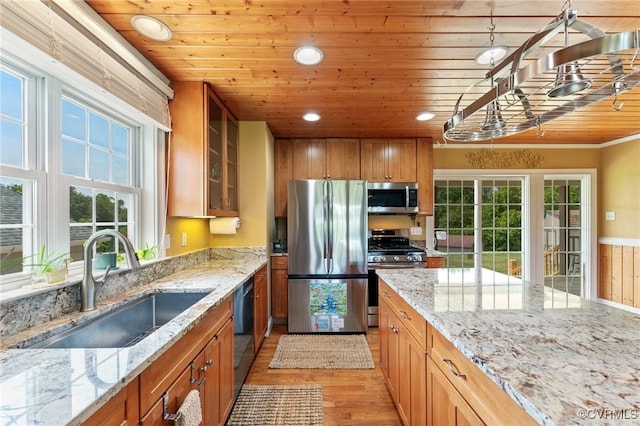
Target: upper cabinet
(283, 174)
(424, 173)
(388, 160)
(203, 154)
(326, 158)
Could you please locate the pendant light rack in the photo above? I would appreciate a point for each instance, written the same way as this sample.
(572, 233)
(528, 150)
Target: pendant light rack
(533, 91)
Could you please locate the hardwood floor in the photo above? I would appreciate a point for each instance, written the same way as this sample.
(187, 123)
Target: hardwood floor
(349, 397)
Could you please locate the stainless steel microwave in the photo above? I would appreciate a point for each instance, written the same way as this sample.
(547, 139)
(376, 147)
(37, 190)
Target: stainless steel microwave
(392, 197)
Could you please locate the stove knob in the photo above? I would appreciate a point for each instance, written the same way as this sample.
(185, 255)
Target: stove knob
(396, 258)
(409, 258)
(417, 258)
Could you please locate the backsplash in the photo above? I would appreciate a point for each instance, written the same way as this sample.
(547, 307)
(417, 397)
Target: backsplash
(31, 311)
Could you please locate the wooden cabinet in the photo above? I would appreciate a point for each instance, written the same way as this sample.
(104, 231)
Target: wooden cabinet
(326, 158)
(388, 160)
(403, 354)
(261, 307)
(205, 352)
(283, 159)
(203, 154)
(279, 289)
(424, 172)
(462, 394)
(120, 410)
(447, 407)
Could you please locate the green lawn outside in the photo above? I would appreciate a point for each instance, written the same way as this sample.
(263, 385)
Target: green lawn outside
(489, 259)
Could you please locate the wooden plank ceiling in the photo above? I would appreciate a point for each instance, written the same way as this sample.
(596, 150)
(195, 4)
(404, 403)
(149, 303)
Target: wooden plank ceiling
(385, 60)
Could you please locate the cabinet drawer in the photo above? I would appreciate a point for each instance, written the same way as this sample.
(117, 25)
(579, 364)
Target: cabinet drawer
(435, 262)
(412, 320)
(279, 262)
(156, 378)
(486, 398)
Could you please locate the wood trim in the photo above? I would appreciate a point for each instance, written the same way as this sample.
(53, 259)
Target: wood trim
(620, 274)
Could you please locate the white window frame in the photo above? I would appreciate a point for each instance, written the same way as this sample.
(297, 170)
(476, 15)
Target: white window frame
(52, 222)
(533, 204)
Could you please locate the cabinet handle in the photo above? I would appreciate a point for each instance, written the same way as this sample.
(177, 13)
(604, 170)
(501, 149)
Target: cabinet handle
(386, 294)
(209, 362)
(454, 369)
(393, 329)
(404, 314)
(193, 379)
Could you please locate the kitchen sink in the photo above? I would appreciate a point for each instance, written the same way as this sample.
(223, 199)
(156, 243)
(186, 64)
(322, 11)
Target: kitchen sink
(126, 325)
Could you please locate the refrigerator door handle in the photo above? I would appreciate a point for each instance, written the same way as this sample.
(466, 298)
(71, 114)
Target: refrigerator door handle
(406, 200)
(330, 230)
(325, 224)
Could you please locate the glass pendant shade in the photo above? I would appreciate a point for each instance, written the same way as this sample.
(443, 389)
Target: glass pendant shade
(569, 80)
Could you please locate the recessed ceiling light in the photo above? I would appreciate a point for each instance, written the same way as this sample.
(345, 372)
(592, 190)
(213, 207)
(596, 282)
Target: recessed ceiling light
(308, 55)
(311, 116)
(484, 57)
(425, 116)
(151, 27)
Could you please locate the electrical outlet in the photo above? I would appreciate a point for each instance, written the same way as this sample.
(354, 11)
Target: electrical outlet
(167, 241)
(184, 239)
(416, 230)
(610, 216)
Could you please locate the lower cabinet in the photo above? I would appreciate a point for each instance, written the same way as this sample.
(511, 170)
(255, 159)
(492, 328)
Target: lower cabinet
(121, 410)
(202, 359)
(260, 307)
(279, 289)
(403, 362)
(448, 407)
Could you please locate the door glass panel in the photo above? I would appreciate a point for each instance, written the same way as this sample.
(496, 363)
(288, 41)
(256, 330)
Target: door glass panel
(562, 240)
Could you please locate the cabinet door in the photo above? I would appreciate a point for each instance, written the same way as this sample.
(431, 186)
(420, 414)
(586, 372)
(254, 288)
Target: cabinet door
(373, 164)
(176, 393)
(401, 160)
(343, 159)
(384, 331)
(412, 389)
(309, 158)
(215, 147)
(279, 296)
(226, 364)
(261, 307)
(283, 174)
(448, 408)
(120, 410)
(230, 195)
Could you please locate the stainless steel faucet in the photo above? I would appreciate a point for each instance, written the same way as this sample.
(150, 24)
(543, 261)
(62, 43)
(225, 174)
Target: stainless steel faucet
(88, 286)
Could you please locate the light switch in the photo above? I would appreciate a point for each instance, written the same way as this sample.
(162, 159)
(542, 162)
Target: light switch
(167, 241)
(184, 239)
(416, 230)
(610, 216)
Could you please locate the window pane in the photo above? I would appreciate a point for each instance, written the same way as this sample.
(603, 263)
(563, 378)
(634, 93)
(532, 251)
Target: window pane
(73, 120)
(11, 137)
(120, 139)
(12, 99)
(98, 131)
(73, 155)
(120, 170)
(98, 165)
(105, 207)
(80, 205)
(13, 193)
(124, 205)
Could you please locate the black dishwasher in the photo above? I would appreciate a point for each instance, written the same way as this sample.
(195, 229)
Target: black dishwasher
(243, 333)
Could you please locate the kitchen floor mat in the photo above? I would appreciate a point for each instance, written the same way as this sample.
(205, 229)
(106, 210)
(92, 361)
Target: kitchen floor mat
(299, 405)
(323, 351)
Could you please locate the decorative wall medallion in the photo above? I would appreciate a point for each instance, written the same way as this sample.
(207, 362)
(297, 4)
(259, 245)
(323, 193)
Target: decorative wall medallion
(488, 158)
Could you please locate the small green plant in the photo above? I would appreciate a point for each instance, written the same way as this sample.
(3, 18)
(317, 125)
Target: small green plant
(47, 262)
(146, 253)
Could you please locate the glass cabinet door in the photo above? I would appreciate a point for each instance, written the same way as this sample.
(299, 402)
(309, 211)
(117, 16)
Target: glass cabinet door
(215, 156)
(232, 165)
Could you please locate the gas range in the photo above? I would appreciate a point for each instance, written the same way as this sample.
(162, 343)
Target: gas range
(389, 251)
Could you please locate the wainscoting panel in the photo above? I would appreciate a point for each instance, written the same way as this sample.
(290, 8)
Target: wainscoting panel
(620, 272)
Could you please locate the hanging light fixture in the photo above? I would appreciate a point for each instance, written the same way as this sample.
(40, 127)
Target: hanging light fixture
(493, 120)
(549, 85)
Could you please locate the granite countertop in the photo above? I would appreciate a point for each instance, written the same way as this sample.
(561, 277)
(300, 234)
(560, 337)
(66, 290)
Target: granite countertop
(564, 359)
(66, 386)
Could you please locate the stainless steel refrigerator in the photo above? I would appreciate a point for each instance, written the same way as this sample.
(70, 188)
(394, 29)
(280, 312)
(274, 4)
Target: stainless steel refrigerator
(327, 245)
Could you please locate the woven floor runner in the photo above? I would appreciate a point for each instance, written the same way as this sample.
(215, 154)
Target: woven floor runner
(280, 405)
(323, 351)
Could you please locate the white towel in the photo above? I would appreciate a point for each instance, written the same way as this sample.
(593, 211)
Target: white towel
(190, 412)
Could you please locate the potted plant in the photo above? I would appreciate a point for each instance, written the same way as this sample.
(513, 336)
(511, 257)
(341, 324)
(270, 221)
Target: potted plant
(105, 256)
(50, 268)
(146, 253)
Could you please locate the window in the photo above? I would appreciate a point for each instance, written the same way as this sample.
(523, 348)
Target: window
(71, 164)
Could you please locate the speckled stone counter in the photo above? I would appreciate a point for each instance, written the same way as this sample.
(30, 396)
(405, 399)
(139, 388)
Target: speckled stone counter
(564, 359)
(66, 386)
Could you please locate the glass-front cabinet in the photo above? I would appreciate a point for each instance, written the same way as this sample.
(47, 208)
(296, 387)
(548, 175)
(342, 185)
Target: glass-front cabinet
(203, 154)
